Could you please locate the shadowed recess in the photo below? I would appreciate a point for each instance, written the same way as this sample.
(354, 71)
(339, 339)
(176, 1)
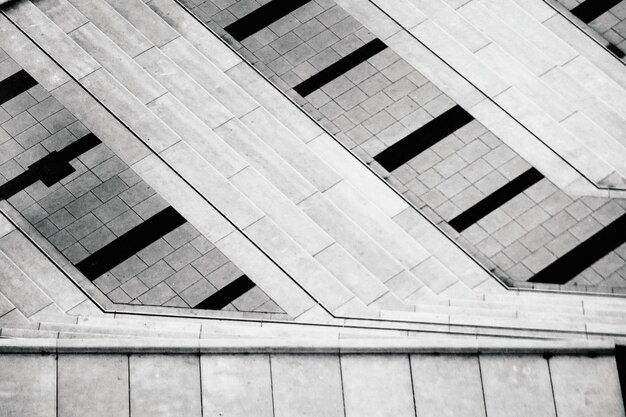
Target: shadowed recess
(50, 169)
(592, 9)
(262, 17)
(423, 138)
(228, 294)
(584, 255)
(495, 200)
(620, 358)
(340, 67)
(130, 243)
(15, 85)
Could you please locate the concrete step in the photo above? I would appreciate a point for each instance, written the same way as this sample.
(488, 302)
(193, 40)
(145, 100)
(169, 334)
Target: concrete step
(92, 40)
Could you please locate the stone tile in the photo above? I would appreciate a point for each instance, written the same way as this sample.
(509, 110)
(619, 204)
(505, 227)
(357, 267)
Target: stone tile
(447, 386)
(586, 386)
(107, 283)
(75, 253)
(299, 381)
(78, 208)
(227, 378)
(158, 295)
(210, 262)
(124, 223)
(134, 287)
(224, 275)
(110, 188)
(82, 184)
(198, 292)
(155, 274)
(377, 385)
(165, 385)
(181, 235)
(110, 210)
(128, 269)
(184, 278)
(136, 194)
(84, 226)
(98, 239)
(29, 396)
(517, 386)
(103, 390)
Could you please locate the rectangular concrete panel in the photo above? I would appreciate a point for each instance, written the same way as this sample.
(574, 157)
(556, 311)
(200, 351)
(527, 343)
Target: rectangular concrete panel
(93, 385)
(236, 385)
(27, 386)
(377, 386)
(447, 386)
(586, 387)
(307, 386)
(163, 385)
(517, 386)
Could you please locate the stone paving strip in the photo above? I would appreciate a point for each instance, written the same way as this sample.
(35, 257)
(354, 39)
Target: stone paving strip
(493, 202)
(147, 168)
(104, 219)
(264, 162)
(126, 382)
(608, 18)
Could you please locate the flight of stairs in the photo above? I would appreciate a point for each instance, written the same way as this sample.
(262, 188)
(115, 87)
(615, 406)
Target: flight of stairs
(374, 263)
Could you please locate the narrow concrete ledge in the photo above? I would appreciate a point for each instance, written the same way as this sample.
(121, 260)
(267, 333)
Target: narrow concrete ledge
(304, 346)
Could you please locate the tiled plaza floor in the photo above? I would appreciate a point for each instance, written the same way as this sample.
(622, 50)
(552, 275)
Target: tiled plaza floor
(377, 103)
(98, 202)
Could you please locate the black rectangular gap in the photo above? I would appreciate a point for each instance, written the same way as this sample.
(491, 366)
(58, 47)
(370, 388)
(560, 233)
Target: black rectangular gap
(495, 200)
(615, 50)
(228, 294)
(584, 255)
(262, 17)
(423, 138)
(592, 9)
(340, 67)
(620, 359)
(51, 168)
(15, 85)
(130, 243)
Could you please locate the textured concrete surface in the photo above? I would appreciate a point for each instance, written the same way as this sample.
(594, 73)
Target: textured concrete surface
(380, 101)
(100, 201)
(165, 385)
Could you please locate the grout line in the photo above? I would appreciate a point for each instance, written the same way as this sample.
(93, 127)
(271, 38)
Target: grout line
(412, 384)
(482, 384)
(504, 284)
(200, 375)
(547, 359)
(57, 382)
(269, 358)
(343, 394)
(128, 379)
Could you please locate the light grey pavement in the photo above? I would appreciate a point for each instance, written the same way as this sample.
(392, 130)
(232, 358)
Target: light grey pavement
(379, 102)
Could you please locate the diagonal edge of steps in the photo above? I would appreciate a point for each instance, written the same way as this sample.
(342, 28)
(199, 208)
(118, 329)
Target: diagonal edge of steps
(337, 289)
(199, 77)
(364, 180)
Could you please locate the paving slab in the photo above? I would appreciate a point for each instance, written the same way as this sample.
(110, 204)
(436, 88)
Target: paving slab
(236, 385)
(585, 386)
(165, 385)
(517, 386)
(447, 386)
(300, 382)
(377, 385)
(28, 385)
(101, 391)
